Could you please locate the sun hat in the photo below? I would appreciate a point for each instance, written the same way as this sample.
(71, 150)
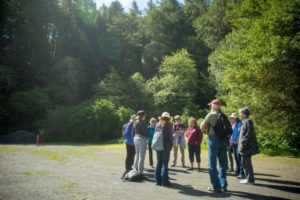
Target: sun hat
(177, 117)
(165, 115)
(233, 115)
(215, 102)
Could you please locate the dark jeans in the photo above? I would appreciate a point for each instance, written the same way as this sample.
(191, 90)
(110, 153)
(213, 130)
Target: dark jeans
(129, 157)
(162, 171)
(230, 151)
(150, 154)
(247, 164)
(194, 150)
(217, 150)
(237, 157)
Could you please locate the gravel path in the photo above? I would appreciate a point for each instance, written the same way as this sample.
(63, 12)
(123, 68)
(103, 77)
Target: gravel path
(93, 172)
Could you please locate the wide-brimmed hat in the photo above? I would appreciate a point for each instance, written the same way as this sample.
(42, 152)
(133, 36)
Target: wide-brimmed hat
(165, 115)
(177, 117)
(233, 115)
(215, 102)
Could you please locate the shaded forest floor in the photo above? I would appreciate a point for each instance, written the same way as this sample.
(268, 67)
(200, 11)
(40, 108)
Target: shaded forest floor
(94, 171)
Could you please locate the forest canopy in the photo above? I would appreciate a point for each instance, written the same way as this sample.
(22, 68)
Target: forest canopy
(77, 72)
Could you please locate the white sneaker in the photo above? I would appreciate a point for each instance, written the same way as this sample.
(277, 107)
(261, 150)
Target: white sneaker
(245, 181)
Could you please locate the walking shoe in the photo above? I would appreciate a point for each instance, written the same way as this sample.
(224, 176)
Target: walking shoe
(183, 165)
(240, 177)
(245, 181)
(199, 170)
(173, 165)
(214, 190)
(224, 190)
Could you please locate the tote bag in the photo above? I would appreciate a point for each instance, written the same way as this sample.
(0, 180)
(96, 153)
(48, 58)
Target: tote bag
(158, 140)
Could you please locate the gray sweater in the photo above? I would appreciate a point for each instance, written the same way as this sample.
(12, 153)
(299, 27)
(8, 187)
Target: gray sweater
(140, 128)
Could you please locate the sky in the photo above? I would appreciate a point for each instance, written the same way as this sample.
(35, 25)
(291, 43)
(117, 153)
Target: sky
(126, 3)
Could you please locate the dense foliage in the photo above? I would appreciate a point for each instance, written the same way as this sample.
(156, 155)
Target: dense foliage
(78, 72)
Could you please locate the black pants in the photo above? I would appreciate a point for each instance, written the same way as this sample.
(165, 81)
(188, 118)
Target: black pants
(247, 164)
(194, 149)
(129, 157)
(150, 155)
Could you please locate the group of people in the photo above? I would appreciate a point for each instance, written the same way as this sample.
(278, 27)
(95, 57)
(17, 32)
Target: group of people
(241, 143)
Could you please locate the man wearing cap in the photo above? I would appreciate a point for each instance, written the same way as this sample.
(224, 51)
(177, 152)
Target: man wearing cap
(247, 145)
(236, 127)
(217, 150)
(178, 140)
(130, 149)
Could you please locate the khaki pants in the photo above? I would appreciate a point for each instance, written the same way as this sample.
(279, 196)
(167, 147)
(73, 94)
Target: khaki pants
(175, 152)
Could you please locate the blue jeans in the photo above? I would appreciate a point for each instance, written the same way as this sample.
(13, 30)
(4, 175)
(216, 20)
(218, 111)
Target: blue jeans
(161, 170)
(217, 150)
(237, 157)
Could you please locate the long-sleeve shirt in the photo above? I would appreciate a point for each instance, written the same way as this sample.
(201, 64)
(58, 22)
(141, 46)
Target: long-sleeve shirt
(236, 131)
(194, 136)
(151, 130)
(128, 134)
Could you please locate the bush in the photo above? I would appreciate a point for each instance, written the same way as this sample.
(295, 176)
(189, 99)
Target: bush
(92, 121)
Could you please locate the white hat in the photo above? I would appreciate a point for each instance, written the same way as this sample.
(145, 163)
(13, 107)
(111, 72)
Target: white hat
(166, 115)
(177, 117)
(233, 115)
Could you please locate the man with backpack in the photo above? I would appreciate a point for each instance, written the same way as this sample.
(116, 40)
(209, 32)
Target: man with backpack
(219, 131)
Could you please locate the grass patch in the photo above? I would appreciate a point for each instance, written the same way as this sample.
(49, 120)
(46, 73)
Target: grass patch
(35, 173)
(45, 153)
(69, 185)
(9, 148)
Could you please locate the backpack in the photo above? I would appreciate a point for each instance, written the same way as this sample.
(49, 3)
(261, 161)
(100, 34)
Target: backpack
(158, 140)
(223, 128)
(134, 176)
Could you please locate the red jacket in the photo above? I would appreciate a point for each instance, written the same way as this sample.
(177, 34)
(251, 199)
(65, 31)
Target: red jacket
(194, 136)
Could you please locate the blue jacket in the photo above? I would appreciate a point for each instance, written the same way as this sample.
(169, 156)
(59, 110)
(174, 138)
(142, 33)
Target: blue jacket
(236, 132)
(128, 134)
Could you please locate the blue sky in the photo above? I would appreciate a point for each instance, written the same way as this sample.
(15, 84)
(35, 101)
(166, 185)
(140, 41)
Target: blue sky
(126, 3)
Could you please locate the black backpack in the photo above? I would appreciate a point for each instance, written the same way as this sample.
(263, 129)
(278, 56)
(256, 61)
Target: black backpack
(223, 128)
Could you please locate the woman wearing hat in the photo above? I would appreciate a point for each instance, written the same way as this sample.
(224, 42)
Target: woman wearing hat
(236, 126)
(247, 145)
(163, 156)
(178, 140)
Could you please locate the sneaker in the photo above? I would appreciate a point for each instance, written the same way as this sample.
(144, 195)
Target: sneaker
(240, 177)
(224, 190)
(214, 190)
(245, 181)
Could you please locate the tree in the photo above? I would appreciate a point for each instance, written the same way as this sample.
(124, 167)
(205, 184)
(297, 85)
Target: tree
(176, 82)
(257, 66)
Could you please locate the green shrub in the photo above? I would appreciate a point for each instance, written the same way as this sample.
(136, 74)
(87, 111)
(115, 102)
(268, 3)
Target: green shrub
(93, 121)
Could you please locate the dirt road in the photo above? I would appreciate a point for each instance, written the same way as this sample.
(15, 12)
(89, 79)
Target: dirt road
(93, 172)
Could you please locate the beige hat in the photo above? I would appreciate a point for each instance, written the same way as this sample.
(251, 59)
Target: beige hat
(233, 115)
(177, 117)
(166, 115)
